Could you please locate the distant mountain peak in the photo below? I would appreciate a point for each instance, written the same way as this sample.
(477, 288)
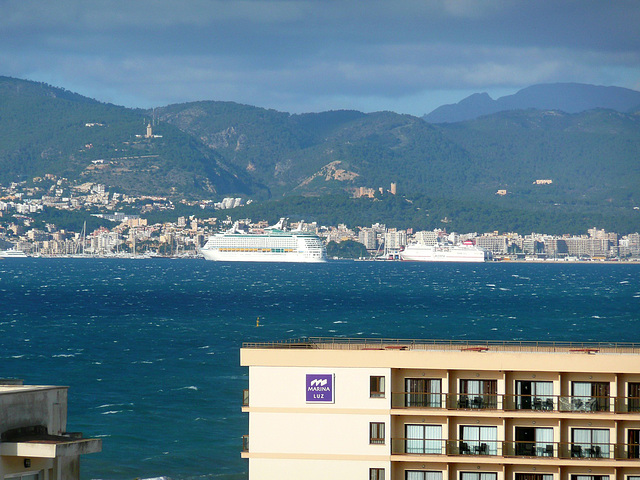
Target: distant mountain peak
(566, 97)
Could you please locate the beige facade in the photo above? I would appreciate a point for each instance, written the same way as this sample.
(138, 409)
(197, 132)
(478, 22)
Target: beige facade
(409, 410)
(34, 443)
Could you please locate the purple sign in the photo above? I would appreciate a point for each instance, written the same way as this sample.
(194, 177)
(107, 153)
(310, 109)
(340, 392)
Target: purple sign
(319, 388)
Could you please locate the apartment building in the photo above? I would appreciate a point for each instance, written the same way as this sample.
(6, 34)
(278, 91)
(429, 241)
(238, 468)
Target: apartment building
(435, 410)
(34, 442)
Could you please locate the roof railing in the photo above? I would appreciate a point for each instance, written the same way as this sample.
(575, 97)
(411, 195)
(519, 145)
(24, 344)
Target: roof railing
(480, 346)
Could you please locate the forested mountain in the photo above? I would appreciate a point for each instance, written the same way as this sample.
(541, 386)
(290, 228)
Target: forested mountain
(589, 156)
(325, 152)
(50, 130)
(567, 97)
(212, 149)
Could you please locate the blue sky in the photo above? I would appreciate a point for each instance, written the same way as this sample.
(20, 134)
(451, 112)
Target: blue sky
(407, 56)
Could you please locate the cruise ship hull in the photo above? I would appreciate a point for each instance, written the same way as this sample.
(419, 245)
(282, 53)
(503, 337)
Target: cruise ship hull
(426, 253)
(218, 256)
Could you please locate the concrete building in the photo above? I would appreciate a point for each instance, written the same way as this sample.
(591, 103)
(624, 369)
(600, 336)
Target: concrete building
(437, 410)
(493, 243)
(368, 237)
(34, 442)
(427, 238)
(395, 239)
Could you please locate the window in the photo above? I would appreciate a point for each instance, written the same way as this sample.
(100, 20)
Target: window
(534, 476)
(478, 394)
(424, 439)
(421, 475)
(534, 442)
(478, 440)
(634, 397)
(376, 387)
(633, 447)
(376, 433)
(589, 477)
(26, 476)
(588, 442)
(534, 395)
(478, 476)
(376, 474)
(590, 396)
(423, 392)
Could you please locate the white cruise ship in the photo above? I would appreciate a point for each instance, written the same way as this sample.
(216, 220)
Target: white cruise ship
(467, 252)
(274, 245)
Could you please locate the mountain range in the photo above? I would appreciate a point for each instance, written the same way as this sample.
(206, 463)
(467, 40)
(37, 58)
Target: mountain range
(566, 97)
(211, 149)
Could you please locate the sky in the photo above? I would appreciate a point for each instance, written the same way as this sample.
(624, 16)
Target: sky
(297, 56)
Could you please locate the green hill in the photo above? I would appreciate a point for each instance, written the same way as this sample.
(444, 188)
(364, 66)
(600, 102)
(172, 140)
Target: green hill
(50, 130)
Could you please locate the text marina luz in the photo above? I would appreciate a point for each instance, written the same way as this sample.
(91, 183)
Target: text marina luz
(319, 388)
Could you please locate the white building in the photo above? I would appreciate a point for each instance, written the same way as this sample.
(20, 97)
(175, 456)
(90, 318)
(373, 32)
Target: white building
(34, 442)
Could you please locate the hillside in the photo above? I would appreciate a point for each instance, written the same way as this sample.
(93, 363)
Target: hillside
(50, 130)
(326, 152)
(566, 97)
(591, 156)
(213, 149)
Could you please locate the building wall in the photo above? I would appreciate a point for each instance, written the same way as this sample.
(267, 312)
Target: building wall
(310, 469)
(31, 406)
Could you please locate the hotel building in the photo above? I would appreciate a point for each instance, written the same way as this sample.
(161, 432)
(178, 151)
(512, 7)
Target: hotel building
(322, 408)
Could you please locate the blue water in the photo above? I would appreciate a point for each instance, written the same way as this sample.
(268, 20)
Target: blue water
(150, 348)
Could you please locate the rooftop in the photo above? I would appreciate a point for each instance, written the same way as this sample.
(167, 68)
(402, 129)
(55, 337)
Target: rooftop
(344, 343)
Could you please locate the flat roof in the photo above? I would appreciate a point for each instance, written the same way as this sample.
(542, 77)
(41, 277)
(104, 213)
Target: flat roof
(27, 388)
(344, 343)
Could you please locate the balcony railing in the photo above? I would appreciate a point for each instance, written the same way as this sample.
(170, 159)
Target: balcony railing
(413, 446)
(475, 401)
(245, 443)
(421, 446)
(540, 403)
(418, 446)
(418, 400)
(245, 398)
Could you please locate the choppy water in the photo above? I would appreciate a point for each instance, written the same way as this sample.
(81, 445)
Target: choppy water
(150, 348)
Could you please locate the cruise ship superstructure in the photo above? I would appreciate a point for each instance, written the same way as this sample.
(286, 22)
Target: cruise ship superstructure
(274, 244)
(466, 252)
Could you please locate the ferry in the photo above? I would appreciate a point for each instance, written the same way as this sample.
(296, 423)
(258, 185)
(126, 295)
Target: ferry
(12, 253)
(467, 252)
(274, 244)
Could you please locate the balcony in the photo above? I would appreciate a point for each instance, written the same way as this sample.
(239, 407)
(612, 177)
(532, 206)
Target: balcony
(418, 400)
(545, 403)
(476, 401)
(422, 447)
(419, 446)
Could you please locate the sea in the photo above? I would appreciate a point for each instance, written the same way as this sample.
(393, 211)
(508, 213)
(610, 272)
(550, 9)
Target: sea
(150, 348)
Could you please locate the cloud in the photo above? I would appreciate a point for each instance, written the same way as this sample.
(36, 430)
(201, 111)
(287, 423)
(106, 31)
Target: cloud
(315, 52)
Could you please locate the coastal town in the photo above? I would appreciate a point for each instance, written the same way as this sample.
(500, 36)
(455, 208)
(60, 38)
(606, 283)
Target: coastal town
(133, 235)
